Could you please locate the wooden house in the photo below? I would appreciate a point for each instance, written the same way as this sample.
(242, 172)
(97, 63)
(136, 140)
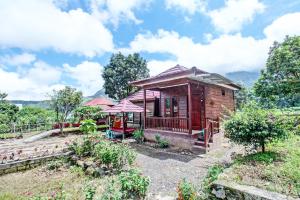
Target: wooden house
(191, 102)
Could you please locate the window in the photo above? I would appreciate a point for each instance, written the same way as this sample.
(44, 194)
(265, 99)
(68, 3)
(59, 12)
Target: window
(223, 92)
(175, 106)
(130, 117)
(167, 107)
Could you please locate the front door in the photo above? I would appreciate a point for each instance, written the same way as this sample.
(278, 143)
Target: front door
(196, 125)
(198, 111)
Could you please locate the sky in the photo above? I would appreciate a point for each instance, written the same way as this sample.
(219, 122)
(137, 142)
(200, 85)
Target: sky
(47, 44)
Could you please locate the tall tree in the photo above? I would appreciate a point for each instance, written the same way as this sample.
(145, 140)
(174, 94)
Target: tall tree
(64, 102)
(279, 83)
(8, 113)
(120, 71)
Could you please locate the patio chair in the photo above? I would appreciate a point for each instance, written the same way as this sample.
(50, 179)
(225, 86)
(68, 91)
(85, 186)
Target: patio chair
(201, 134)
(110, 134)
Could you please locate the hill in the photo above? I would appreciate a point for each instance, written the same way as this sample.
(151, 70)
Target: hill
(243, 77)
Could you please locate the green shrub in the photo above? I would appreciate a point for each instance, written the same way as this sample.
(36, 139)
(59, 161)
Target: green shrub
(133, 184)
(88, 126)
(7, 135)
(212, 175)
(4, 128)
(186, 191)
(89, 192)
(114, 156)
(112, 191)
(138, 135)
(162, 143)
(55, 164)
(255, 126)
(85, 148)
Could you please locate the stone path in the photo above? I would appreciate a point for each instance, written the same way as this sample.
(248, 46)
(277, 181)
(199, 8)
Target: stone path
(166, 170)
(19, 149)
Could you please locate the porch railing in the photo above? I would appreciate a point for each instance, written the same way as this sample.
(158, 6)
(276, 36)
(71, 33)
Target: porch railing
(212, 127)
(176, 124)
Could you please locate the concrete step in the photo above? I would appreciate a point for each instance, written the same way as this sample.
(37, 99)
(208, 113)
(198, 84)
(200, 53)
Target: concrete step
(200, 143)
(199, 149)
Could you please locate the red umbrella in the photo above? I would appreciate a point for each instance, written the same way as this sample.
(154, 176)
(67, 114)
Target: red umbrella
(125, 106)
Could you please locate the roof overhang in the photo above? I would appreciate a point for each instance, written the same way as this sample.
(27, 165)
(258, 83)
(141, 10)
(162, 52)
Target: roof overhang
(215, 79)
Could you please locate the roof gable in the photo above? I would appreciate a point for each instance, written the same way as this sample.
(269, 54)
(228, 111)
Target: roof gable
(173, 70)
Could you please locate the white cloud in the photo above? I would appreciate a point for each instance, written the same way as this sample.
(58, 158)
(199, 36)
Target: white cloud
(36, 25)
(157, 66)
(88, 76)
(22, 87)
(17, 60)
(235, 14)
(288, 24)
(189, 6)
(114, 11)
(43, 74)
(223, 54)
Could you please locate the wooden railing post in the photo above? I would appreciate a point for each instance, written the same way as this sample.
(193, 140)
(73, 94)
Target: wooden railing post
(190, 107)
(145, 110)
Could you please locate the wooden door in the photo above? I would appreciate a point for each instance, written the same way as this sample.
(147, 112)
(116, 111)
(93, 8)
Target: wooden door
(198, 111)
(196, 125)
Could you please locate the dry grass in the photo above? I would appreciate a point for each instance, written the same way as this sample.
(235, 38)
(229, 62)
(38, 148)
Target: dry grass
(43, 182)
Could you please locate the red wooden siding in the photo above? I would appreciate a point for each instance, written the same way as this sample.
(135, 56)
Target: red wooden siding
(215, 101)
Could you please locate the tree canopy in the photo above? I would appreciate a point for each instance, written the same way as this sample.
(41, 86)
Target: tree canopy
(120, 71)
(279, 83)
(255, 126)
(64, 101)
(8, 113)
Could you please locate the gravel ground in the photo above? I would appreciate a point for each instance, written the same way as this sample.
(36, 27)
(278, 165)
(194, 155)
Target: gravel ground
(167, 169)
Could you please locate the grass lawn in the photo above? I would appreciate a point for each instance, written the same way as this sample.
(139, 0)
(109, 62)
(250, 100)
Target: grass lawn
(277, 170)
(41, 181)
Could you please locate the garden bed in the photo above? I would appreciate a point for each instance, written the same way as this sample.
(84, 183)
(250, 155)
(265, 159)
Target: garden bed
(276, 170)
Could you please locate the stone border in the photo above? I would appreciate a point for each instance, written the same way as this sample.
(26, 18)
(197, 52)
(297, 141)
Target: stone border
(28, 163)
(231, 190)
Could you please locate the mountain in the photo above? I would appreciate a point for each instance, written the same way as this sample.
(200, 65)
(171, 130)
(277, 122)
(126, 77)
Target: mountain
(99, 93)
(40, 104)
(243, 77)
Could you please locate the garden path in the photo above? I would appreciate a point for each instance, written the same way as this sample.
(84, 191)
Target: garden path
(167, 169)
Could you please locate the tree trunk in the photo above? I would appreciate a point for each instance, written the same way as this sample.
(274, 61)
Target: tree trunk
(263, 148)
(61, 128)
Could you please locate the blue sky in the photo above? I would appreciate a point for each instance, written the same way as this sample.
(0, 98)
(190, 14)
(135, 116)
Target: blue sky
(46, 44)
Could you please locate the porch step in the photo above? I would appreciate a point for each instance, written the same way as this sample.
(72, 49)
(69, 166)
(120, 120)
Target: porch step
(198, 149)
(200, 143)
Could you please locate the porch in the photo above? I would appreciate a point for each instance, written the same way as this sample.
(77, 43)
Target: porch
(181, 115)
(176, 130)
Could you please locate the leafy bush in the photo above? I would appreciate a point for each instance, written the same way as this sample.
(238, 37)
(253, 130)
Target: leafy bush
(186, 191)
(113, 155)
(138, 135)
(133, 184)
(54, 164)
(212, 175)
(86, 147)
(87, 112)
(112, 191)
(4, 128)
(88, 126)
(162, 143)
(255, 126)
(89, 191)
